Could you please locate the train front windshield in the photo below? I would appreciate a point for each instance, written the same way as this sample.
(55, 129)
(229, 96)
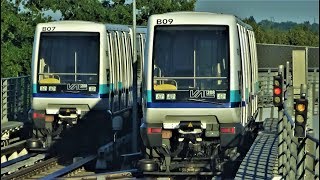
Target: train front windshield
(67, 58)
(191, 62)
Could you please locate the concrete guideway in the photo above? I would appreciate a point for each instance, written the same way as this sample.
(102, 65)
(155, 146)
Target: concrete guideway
(260, 161)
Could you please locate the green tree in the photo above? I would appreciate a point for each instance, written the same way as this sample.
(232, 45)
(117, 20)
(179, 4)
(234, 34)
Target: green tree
(17, 31)
(149, 7)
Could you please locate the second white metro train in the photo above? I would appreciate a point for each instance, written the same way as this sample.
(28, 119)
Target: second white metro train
(200, 87)
(80, 67)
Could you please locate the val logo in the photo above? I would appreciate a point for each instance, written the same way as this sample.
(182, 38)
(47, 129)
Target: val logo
(202, 93)
(77, 87)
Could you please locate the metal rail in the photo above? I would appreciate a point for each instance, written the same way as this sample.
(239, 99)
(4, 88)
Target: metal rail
(70, 168)
(15, 98)
(49, 169)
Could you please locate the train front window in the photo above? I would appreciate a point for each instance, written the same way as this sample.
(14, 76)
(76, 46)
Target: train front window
(68, 58)
(193, 61)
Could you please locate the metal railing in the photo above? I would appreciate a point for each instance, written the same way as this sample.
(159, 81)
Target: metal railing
(266, 86)
(15, 98)
(298, 158)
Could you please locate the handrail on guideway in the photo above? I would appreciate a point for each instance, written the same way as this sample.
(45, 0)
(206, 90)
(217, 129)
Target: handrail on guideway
(15, 98)
(298, 158)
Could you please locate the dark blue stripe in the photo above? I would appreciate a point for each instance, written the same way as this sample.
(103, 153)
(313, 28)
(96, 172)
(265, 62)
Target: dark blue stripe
(192, 105)
(64, 95)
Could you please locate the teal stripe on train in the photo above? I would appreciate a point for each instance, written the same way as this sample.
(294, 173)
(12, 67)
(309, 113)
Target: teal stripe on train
(34, 88)
(149, 96)
(120, 85)
(104, 89)
(234, 96)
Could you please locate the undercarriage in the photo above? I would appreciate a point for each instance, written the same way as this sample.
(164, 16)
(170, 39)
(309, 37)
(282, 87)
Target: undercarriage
(189, 149)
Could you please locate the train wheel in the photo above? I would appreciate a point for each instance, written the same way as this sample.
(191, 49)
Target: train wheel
(148, 165)
(34, 143)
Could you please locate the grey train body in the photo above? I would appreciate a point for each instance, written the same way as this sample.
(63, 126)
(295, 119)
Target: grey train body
(81, 71)
(200, 90)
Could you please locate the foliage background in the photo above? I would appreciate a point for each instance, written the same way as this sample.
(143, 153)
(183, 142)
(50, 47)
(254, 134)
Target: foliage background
(18, 24)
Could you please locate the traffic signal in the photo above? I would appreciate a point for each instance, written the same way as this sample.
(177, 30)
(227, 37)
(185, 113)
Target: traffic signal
(277, 91)
(301, 111)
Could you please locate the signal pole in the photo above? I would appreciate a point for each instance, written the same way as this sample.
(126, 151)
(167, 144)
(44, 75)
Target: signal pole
(134, 108)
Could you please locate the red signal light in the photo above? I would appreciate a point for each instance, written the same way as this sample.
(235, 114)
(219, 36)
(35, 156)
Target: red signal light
(277, 91)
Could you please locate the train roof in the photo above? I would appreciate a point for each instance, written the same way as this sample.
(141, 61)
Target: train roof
(118, 27)
(72, 22)
(205, 15)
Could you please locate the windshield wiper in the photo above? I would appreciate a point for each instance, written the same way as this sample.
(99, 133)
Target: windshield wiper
(205, 101)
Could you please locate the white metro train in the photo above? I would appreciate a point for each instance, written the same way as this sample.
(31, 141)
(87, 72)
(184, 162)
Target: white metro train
(200, 87)
(80, 67)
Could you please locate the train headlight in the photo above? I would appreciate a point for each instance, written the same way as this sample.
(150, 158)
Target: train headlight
(171, 96)
(43, 88)
(159, 96)
(92, 88)
(221, 96)
(52, 88)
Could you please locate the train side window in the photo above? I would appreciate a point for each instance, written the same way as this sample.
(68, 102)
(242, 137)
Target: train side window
(130, 60)
(249, 73)
(114, 61)
(108, 57)
(116, 64)
(241, 55)
(124, 69)
(126, 58)
(138, 56)
(111, 46)
(123, 65)
(253, 60)
(120, 58)
(245, 56)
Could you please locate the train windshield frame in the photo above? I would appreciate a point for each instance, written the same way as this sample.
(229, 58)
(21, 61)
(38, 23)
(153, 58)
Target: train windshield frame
(191, 61)
(69, 58)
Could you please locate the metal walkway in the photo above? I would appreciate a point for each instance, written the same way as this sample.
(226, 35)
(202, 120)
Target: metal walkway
(260, 160)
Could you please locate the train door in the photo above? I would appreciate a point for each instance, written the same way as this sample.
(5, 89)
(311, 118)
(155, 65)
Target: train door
(130, 70)
(112, 70)
(109, 73)
(125, 39)
(124, 70)
(253, 74)
(142, 44)
(117, 72)
(243, 75)
(249, 74)
(115, 92)
(256, 71)
(120, 67)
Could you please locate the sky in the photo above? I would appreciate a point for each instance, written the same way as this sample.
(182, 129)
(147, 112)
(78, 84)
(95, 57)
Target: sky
(277, 10)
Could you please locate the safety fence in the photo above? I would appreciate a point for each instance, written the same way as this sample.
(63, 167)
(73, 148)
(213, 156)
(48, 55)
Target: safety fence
(298, 157)
(15, 98)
